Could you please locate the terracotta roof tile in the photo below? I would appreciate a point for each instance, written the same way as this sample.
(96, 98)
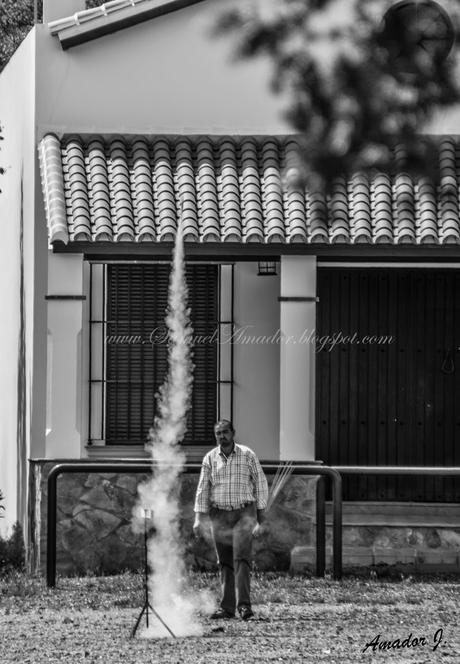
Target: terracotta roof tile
(52, 175)
(231, 189)
(143, 207)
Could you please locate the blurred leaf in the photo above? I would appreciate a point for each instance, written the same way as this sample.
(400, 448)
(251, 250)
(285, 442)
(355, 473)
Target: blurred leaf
(347, 97)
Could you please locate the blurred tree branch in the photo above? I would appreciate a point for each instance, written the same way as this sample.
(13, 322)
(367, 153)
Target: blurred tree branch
(349, 98)
(16, 19)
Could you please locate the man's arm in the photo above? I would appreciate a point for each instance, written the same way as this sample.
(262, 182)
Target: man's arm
(202, 497)
(260, 488)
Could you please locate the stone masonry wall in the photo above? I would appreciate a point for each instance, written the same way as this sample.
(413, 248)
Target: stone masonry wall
(94, 534)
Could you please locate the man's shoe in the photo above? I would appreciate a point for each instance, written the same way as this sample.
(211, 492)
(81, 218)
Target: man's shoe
(246, 613)
(221, 614)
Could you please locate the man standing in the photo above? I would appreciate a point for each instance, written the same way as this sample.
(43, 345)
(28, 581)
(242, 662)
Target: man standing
(233, 491)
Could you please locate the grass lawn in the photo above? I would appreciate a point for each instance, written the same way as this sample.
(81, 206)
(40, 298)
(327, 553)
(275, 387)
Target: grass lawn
(298, 619)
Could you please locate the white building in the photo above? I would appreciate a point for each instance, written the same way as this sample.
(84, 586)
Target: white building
(111, 121)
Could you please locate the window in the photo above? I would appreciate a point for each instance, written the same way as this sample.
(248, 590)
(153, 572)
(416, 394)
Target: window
(128, 305)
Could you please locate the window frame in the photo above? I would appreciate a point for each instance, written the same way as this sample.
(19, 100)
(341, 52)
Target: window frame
(96, 443)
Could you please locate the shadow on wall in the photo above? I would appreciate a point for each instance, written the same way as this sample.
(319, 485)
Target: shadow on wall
(21, 384)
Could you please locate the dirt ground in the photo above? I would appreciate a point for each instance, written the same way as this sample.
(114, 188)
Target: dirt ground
(298, 619)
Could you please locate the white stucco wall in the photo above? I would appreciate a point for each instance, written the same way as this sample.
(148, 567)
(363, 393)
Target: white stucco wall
(297, 358)
(167, 75)
(66, 387)
(17, 155)
(256, 360)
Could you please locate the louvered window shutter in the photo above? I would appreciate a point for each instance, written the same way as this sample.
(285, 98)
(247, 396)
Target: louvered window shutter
(136, 353)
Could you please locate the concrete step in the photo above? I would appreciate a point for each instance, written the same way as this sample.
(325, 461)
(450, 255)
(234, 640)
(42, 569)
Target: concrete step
(303, 558)
(397, 514)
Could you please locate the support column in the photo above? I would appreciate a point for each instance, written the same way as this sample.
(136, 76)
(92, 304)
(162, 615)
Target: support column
(297, 358)
(64, 368)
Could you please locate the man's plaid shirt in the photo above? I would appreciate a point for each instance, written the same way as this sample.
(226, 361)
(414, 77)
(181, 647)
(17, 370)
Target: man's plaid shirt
(229, 483)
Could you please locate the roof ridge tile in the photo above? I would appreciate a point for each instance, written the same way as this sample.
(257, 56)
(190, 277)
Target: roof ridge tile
(89, 14)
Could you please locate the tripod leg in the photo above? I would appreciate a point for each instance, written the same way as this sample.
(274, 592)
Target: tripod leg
(146, 572)
(133, 633)
(147, 606)
(162, 621)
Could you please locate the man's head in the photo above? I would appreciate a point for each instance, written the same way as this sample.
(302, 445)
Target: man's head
(224, 433)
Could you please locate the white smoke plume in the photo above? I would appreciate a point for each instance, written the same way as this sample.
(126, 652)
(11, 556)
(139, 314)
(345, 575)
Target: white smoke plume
(158, 497)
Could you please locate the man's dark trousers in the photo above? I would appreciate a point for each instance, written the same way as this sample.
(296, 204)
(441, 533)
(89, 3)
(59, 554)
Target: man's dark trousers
(232, 532)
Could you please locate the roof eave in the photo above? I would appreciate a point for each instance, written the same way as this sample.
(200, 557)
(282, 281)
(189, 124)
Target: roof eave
(105, 25)
(234, 251)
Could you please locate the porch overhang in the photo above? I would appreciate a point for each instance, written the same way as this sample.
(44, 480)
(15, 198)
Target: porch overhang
(125, 193)
(233, 251)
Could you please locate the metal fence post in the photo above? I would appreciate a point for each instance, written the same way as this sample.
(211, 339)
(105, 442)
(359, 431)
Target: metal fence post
(320, 527)
(337, 523)
(51, 528)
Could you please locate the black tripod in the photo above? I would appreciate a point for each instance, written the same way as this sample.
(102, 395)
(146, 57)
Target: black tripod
(147, 606)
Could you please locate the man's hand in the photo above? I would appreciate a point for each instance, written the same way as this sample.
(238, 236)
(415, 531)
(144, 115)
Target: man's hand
(260, 527)
(258, 530)
(198, 527)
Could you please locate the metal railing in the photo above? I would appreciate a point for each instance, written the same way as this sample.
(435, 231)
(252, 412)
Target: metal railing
(436, 471)
(334, 473)
(136, 466)
(398, 470)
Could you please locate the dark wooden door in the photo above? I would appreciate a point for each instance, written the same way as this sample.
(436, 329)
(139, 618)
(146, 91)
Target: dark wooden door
(395, 399)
